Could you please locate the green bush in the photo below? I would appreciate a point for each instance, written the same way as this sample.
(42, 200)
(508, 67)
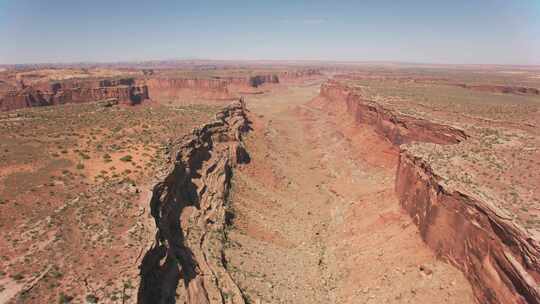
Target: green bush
(64, 299)
(91, 299)
(126, 158)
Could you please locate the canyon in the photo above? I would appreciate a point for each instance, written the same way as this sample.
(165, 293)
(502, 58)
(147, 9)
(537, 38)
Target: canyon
(312, 185)
(131, 91)
(221, 87)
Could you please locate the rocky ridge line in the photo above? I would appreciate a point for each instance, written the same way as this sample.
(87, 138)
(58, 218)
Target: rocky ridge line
(126, 91)
(499, 257)
(189, 207)
(398, 128)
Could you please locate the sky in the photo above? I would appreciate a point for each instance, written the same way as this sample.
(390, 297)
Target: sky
(455, 32)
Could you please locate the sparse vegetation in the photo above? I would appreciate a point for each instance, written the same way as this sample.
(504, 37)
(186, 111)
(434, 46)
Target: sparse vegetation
(64, 298)
(126, 158)
(58, 195)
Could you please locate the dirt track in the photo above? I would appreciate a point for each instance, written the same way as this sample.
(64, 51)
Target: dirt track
(316, 216)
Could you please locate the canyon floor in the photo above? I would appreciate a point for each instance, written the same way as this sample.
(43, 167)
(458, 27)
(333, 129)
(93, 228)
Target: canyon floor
(316, 217)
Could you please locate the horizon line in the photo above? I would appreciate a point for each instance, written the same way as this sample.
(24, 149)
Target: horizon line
(262, 61)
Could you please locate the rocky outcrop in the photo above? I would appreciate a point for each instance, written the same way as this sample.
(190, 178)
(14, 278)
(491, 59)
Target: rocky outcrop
(250, 84)
(46, 94)
(500, 259)
(190, 210)
(396, 127)
(210, 88)
(218, 87)
(165, 87)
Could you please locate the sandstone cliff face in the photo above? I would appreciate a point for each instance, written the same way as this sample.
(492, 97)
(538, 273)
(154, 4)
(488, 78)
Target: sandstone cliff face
(251, 81)
(46, 94)
(177, 87)
(211, 88)
(89, 83)
(189, 208)
(218, 87)
(499, 258)
(396, 127)
(250, 84)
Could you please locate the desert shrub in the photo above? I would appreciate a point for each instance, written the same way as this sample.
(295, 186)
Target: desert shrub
(126, 158)
(64, 299)
(91, 299)
(107, 157)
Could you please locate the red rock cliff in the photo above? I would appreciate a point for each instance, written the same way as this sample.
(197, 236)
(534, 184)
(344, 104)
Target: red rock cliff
(397, 127)
(46, 94)
(212, 88)
(174, 87)
(188, 207)
(499, 258)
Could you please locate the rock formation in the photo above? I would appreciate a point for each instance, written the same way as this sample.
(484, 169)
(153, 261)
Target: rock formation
(45, 94)
(397, 127)
(168, 87)
(211, 88)
(190, 210)
(499, 257)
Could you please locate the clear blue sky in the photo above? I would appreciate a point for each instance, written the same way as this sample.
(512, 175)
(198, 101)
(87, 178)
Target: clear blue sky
(461, 31)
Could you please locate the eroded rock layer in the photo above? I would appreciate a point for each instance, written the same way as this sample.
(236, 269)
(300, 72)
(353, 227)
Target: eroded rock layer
(54, 93)
(396, 127)
(499, 258)
(212, 87)
(166, 87)
(189, 207)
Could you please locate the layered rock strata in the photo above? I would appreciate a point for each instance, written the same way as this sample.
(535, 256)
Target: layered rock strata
(499, 257)
(166, 87)
(189, 206)
(396, 127)
(210, 88)
(46, 94)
